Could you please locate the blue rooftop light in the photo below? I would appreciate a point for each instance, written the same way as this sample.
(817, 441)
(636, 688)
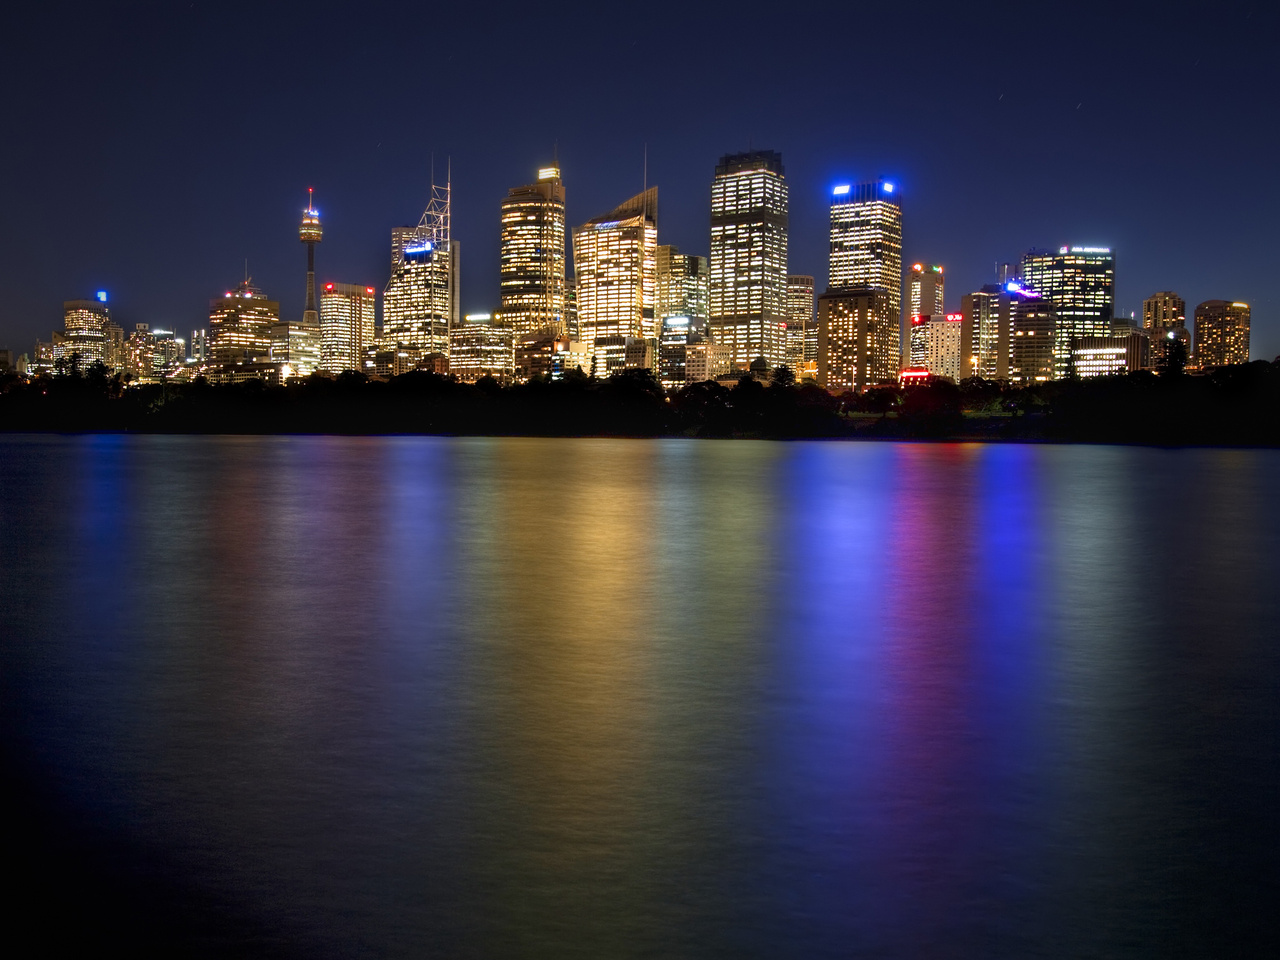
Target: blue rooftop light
(102, 295)
(888, 187)
(841, 190)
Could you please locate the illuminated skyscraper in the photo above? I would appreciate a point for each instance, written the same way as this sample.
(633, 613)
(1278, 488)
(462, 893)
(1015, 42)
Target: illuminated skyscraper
(615, 267)
(683, 287)
(346, 325)
(866, 238)
(1164, 320)
(946, 346)
(421, 300)
(532, 271)
(480, 347)
(858, 341)
(84, 336)
(802, 330)
(1222, 333)
(986, 313)
(748, 296)
(240, 325)
(1033, 336)
(1080, 282)
(924, 290)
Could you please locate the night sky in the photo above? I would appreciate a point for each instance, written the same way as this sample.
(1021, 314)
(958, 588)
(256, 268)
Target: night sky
(151, 149)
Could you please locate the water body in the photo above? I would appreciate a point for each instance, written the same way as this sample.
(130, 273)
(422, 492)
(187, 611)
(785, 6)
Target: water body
(413, 697)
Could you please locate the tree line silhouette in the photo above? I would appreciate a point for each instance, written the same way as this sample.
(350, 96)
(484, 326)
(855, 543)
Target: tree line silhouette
(1237, 405)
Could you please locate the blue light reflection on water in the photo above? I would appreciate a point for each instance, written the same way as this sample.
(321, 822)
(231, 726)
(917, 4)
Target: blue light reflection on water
(582, 698)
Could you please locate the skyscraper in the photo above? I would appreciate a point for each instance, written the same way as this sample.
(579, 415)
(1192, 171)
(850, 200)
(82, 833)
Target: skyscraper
(532, 266)
(924, 290)
(986, 313)
(1222, 333)
(346, 325)
(683, 286)
(748, 295)
(1033, 335)
(480, 347)
(240, 325)
(1080, 282)
(84, 324)
(615, 272)
(1164, 320)
(858, 342)
(802, 330)
(421, 300)
(866, 238)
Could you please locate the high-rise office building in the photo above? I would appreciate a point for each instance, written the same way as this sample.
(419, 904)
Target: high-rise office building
(1164, 321)
(347, 325)
(615, 275)
(481, 347)
(684, 286)
(947, 334)
(858, 341)
(532, 252)
(987, 314)
(1033, 336)
(748, 294)
(1222, 333)
(925, 284)
(421, 300)
(866, 238)
(240, 324)
(85, 331)
(1080, 282)
(802, 329)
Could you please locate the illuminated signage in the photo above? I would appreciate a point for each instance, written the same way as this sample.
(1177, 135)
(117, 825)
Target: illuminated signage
(841, 190)
(918, 268)
(328, 286)
(1090, 250)
(888, 188)
(955, 317)
(102, 296)
(548, 173)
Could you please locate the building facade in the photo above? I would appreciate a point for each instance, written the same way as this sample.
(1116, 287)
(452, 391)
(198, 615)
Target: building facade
(987, 314)
(866, 239)
(683, 287)
(858, 339)
(1222, 333)
(239, 331)
(1164, 320)
(748, 286)
(1033, 337)
(531, 274)
(802, 328)
(1101, 356)
(482, 347)
(946, 346)
(925, 288)
(1080, 283)
(85, 332)
(421, 299)
(615, 273)
(347, 325)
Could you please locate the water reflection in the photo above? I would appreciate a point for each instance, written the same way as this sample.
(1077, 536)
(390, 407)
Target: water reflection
(528, 698)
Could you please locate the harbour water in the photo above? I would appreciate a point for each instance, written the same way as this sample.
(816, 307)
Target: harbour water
(409, 697)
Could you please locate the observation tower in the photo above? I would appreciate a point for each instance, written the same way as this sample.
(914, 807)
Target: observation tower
(311, 233)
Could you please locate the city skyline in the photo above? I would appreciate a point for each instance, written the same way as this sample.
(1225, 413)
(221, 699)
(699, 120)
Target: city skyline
(1080, 175)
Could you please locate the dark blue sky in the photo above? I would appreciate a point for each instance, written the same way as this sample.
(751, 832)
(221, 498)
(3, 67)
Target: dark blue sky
(150, 149)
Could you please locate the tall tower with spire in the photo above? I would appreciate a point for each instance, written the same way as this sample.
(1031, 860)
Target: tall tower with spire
(420, 303)
(311, 233)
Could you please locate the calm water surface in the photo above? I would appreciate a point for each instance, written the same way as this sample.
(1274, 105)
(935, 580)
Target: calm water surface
(407, 697)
